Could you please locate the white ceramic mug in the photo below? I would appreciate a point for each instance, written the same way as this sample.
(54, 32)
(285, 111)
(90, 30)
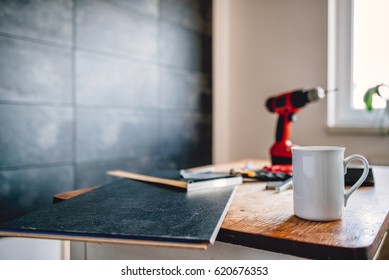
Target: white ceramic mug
(318, 181)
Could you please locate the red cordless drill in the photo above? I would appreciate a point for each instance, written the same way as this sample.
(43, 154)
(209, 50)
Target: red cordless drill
(286, 105)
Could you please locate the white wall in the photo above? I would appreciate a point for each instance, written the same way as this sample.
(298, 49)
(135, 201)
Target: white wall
(31, 249)
(262, 48)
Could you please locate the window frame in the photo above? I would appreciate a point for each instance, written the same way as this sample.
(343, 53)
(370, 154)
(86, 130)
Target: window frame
(340, 112)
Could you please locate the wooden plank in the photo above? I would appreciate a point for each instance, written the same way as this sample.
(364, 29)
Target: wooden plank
(70, 194)
(146, 178)
(198, 246)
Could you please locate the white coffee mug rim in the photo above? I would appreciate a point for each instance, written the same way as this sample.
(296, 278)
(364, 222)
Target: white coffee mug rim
(318, 148)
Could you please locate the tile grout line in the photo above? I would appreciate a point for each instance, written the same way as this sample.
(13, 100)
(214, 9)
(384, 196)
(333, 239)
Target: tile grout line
(32, 40)
(159, 119)
(130, 110)
(36, 165)
(101, 53)
(74, 92)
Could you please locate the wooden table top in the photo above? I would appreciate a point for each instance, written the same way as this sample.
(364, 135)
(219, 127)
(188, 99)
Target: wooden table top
(264, 219)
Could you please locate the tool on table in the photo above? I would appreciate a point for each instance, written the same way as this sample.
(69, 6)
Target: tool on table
(286, 105)
(280, 186)
(260, 175)
(189, 173)
(278, 181)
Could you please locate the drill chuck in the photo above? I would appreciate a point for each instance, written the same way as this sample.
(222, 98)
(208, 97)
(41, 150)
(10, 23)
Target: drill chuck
(315, 94)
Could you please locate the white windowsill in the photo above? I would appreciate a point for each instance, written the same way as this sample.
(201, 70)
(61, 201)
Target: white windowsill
(354, 130)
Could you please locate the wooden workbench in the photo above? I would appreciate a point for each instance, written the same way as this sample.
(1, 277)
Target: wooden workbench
(263, 219)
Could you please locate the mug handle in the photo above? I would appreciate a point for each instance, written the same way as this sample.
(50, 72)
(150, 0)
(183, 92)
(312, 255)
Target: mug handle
(346, 161)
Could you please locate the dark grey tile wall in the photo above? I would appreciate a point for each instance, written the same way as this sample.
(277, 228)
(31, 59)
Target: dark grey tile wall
(105, 27)
(27, 189)
(109, 81)
(195, 15)
(34, 72)
(146, 6)
(35, 135)
(178, 47)
(105, 134)
(182, 90)
(88, 86)
(49, 20)
(94, 173)
(184, 138)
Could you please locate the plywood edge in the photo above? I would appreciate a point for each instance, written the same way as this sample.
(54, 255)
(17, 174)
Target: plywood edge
(294, 247)
(198, 246)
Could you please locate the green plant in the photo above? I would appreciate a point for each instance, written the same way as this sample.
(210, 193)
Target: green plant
(368, 97)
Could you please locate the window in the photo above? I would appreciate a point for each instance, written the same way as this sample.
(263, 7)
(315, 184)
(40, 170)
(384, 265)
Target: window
(358, 59)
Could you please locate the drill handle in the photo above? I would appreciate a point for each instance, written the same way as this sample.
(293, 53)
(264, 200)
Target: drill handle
(283, 126)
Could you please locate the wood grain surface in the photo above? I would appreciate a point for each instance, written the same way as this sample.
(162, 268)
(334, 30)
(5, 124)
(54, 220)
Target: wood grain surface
(146, 178)
(67, 195)
(264, 219)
